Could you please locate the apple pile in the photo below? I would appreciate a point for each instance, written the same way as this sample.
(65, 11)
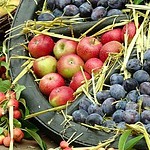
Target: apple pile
(58, 64)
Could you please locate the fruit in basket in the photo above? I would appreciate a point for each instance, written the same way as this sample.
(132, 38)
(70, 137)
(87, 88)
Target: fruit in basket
(112, 35)
(57, 12)
(40, 45)
(62, 3)
(109, 48)
(71, 10)
(130, 30)
(116, 78)
(49, 82)
(1, 139)
(78, 2)
(46, 17)
(112, 12)
(103, 3)
(44, 65)
(63, 47)
(98, 13)
(69, 64)
(61, 95)
(88, 47)
(2, 97)
(115, 4)
(64, 144)
(50, 4)
(6, 141)
(93, 65)
(78, 79)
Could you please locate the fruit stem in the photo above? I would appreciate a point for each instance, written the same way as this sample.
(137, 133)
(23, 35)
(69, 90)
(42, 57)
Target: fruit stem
(45, 111)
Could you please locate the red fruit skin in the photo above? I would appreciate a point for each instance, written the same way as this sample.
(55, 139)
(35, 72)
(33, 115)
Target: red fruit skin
(2, 112)
(18, 134)
(78, 80)
(61, 95)
(1, 139)
(68, 65)
(44, 65)
(64, 47)
(112, 35)
(64, 144)
(93, 64)
(130, 29)
(2, 68)
(88, 47)
(6, 141)
(2, 97)
(110, 47)
(40, 45)
(17, 114)
(67, 148)
(49, 82)
(14, 103)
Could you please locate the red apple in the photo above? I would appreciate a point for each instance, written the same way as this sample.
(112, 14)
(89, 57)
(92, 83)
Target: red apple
(49, 82)
(63, 47)
(44, 65)
(88, 47)
(40, 45)
(112, 35)
(18, 134)
(130, 30)
(61, 95)
(1, 138)
(2, 68)
(17, 114)
(78, 79)
(93, 64)
(69, 64)
(110, 47)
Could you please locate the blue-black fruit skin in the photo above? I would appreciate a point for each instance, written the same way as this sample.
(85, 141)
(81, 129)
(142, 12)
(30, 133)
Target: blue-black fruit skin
(133, 65)
(132, 106)
(121, 105)
(94, 3)
(116, 79)
(144, 88)
(78, 3)
(145, 117)
(147, 55)
(93, 119)
(71, 10)
(146, 66)
(62, 3)
(141, 76)
(79, 115)
(109, 124)
(84, 104)
(98, 13)
(50, 4)
(103, 3)
(118, 116)
(95, 108)
(147, 127)
(115, 4)
(112, 12)
(57, 12)
(132, 96)
(46, 17)
(121, 125)
(117, 91)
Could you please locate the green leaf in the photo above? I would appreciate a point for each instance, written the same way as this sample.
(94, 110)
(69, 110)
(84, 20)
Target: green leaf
(4, 85)
(122, 140)
(3, 63)
(1, 130)
(37, 138)
(23, 102)
(17, 123)
(131, 143)
(138, 1)
(18, 89)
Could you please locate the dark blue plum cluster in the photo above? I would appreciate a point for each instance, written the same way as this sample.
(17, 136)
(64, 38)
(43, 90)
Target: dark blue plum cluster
(124, 101)
(91, 9)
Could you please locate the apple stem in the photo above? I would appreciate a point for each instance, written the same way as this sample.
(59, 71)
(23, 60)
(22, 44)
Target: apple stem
(45, 111)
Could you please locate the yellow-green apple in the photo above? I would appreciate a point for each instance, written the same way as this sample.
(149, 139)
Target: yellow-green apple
(88, 47)
(112, 35)
(78, 79)
(63, 47)
(108, 48)
(61, 95)
(40, 45)
(130, 30)
(44, 65)
(93, 65)
(49, 82)
(69, 64)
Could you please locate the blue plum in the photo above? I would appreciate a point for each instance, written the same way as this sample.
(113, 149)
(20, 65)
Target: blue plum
(145, 117)
(116, 79)
(71, 10)
(118, 116)
(102, 95)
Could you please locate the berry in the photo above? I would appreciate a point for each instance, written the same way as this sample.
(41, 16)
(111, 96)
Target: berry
(46, 17)
(109, 124)
(116, 79)
(130, 84)
(112, 12)
(145, 100)
(102, 95)
(121, 125)
(144, 88)
(121, 105)
(98, 13)
(50, 4)
(118, 115)
(79, 115)
(115, 4)
(62, 3)
(132, 96)
(131, 105)
(84, 104)
(103, 3)
(141, 76)
(18, 134)
(57, 12)
(133, 65)
(108, 107)
(64, 144)
(93, 119)
(71, 10)
(94, 2)
(145, 117)
(147, 55)
(147, 127)
(85, 9)
(146, 66)
(131, 116)
(78, 2)
(117, 91)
